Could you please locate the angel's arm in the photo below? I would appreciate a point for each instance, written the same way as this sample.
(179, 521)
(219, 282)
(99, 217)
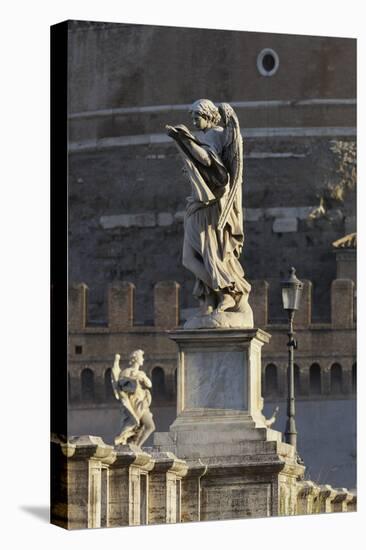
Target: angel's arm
(199, 153)
(146, 380)
(186, 141)
(116, 370)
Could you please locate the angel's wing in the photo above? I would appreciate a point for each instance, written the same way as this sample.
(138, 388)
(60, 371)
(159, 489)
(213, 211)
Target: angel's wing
(233, 160)
(233, 152)
(115, 372)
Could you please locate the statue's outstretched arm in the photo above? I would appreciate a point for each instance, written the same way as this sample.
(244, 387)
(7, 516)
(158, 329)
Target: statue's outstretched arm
(199, 153)
(187, 142)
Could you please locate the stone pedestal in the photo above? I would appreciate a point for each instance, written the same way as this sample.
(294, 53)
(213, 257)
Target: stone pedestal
(352, 504)
(129, 487)
(326, 496)
(79, 491)
(219, 401)
(165, 488)
(341, 500)
(191, 491)
(220, 426)
(308, 498)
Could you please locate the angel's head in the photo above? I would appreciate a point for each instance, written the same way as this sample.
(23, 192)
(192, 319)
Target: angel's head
(136, 358)
(205, 114)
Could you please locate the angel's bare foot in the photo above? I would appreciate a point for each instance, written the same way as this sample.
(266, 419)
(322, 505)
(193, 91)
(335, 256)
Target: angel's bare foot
(225, 302)
(207, 304)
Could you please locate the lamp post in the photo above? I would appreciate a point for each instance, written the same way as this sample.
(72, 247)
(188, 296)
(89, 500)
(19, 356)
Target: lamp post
(291, 295)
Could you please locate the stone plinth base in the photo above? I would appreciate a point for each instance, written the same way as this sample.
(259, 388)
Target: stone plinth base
(251, 485)
(222, 319)
(216, 448)
(259, 479)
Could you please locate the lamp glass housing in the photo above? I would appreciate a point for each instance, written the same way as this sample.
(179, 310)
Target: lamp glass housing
(291, 292)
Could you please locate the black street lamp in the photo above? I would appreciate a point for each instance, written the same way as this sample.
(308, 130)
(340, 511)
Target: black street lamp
(291, 295)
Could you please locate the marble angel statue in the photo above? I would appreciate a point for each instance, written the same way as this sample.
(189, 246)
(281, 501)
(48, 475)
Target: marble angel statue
(213, 225)
(131, 387)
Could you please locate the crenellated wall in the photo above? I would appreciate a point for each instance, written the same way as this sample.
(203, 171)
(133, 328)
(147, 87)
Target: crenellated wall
(121, 299)
(325, 358)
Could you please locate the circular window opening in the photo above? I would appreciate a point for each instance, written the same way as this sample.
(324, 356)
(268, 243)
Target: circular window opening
(267, 62)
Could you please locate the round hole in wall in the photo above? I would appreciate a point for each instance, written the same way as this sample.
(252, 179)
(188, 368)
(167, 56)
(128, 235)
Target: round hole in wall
(267, 62)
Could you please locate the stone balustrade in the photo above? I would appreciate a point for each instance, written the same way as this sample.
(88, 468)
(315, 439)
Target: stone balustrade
(99, 485)
(320, 499)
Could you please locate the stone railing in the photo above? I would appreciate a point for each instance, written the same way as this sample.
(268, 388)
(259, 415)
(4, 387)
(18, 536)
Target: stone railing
(97, 485)
(320, 499)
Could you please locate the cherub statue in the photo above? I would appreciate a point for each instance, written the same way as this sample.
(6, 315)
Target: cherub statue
(213, 225)
(131, 387)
